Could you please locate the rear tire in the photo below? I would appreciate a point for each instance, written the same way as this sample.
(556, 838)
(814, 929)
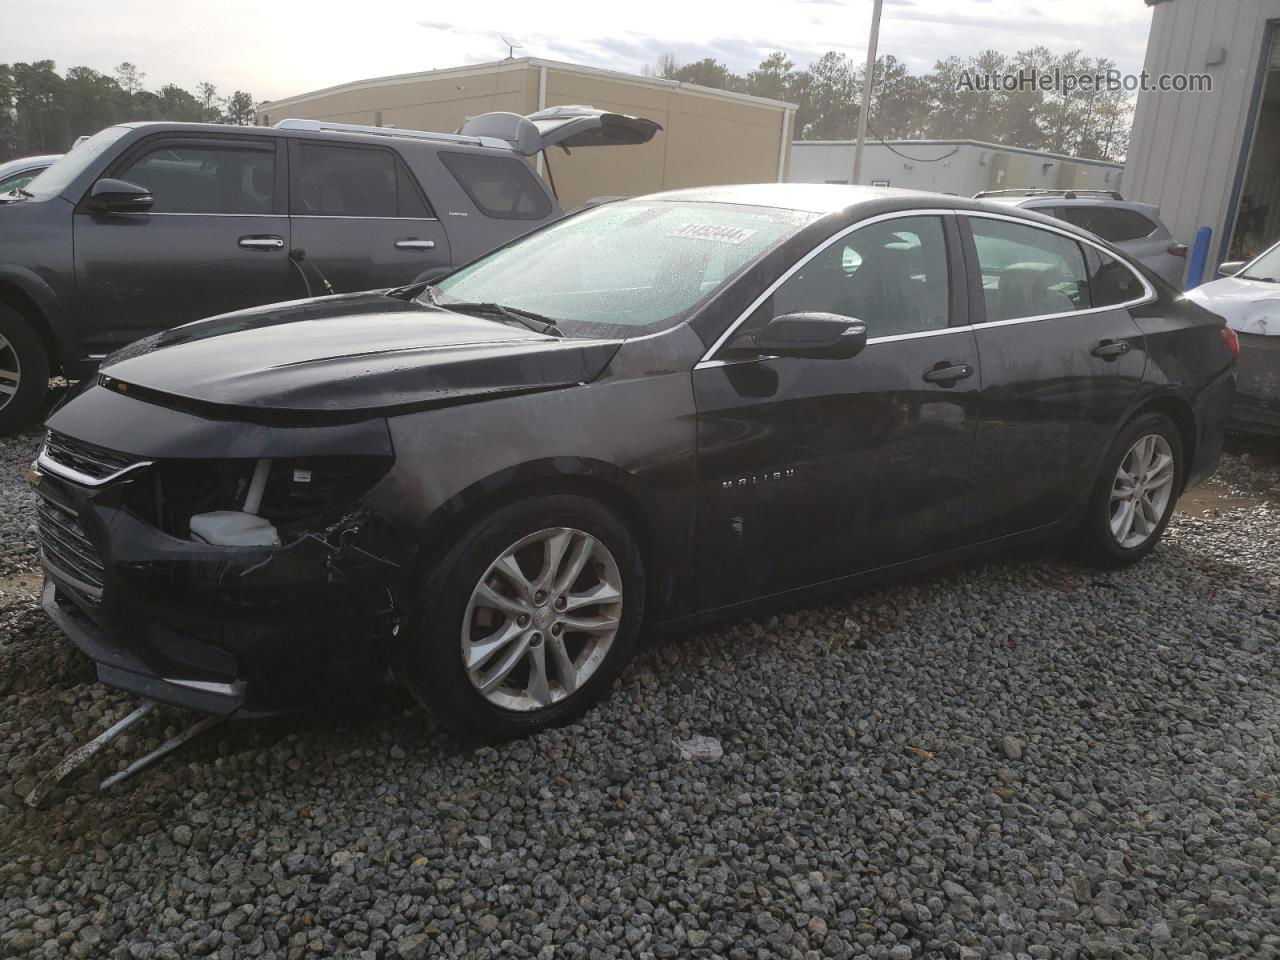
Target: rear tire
(24, 371)
(1136, 493)
(526, 620)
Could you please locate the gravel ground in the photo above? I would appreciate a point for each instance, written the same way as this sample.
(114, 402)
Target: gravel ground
(1022, 758)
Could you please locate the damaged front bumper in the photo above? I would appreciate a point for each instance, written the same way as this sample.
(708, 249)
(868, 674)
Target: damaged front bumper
(234, 631)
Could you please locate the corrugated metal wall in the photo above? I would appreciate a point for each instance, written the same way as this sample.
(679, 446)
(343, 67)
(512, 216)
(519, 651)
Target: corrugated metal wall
(1185, 150)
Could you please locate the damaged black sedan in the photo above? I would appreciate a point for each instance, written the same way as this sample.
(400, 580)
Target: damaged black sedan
(658, 410)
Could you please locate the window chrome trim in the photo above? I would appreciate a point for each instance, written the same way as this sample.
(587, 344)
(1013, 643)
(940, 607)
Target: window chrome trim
(768, 292)
(1149, 292)
(335, 216)
(179, 213)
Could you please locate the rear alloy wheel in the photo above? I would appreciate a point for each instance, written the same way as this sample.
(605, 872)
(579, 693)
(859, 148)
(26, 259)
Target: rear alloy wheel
(1135, 494)
(527, 619)
(1141, 491)
(24, 371)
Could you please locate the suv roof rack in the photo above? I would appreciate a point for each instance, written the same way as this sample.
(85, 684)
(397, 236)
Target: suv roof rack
(331, 127)
(1042, 192)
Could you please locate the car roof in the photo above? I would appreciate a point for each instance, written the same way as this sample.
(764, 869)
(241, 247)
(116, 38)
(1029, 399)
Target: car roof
(1049, 200)
(807, 197)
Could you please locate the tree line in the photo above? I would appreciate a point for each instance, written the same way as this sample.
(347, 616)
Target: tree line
(947, 102)
(42, 111)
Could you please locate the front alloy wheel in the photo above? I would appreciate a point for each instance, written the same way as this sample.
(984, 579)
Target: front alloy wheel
(542, 619)
(527, 617)
(1141, 490)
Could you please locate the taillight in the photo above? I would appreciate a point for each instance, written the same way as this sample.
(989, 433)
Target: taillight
(1231, 340)
(1177, 249)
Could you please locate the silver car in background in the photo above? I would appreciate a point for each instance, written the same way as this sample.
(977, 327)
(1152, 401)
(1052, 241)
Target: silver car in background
(1136, 228)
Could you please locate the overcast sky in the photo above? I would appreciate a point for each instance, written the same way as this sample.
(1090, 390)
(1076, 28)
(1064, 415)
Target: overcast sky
(279, 48)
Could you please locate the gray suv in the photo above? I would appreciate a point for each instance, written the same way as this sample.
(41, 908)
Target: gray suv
(1136, 228)
(146, 226)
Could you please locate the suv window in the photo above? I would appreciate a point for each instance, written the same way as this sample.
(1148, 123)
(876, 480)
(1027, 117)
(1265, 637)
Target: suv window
(206, 179)
(332, 180)
(1115, 224)
(891, 275)
(501, 187)
(8, 184)
(1028, 272)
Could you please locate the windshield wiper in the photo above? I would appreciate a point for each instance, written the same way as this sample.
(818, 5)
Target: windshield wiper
(1249, 276)
(526, 318)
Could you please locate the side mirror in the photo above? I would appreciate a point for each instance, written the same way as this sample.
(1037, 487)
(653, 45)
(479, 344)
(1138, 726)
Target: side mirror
(812, 336)
(1231, 267)
(118, 196)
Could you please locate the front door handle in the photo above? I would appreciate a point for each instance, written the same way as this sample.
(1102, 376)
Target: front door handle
(265, 242)
(1111, 350)
(947, 374)
(412, 244)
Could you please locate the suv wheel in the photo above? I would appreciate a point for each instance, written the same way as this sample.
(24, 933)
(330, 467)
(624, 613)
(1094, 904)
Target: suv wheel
(24, 371)
(1136, 492)
(527, 620)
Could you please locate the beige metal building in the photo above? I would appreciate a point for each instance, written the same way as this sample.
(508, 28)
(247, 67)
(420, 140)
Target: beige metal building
(708, 137)
(949, 166)
(1212, 158)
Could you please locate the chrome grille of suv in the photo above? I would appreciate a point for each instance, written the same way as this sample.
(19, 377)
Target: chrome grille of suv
(67, 550)
(93, 464)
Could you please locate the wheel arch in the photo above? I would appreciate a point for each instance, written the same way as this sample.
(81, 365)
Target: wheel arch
(1177, 409)
(606, 483)
(27, 294)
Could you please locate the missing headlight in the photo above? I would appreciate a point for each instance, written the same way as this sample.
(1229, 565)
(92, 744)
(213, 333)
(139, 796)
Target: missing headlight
(300, 494)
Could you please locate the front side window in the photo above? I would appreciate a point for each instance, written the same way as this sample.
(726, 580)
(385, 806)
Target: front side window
(1028, 272)
(501, 187)
(626, 265)
(891, 275)
(206, 179)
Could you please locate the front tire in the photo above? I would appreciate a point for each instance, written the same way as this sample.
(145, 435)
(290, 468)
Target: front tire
(1136, 492)
(24, 371)
(527, 620)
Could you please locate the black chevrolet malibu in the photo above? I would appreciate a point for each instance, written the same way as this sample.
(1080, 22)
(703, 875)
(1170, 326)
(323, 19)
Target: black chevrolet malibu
(658, 410)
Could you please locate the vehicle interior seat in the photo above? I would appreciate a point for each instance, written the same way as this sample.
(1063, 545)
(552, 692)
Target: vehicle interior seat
(1026, 290)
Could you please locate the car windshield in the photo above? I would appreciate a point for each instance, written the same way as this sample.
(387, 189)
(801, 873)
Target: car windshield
(624, 267)
(1266, 267)
(65, 169)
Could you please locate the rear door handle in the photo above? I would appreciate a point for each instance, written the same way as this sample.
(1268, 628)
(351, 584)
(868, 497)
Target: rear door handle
(412, 244)
(1111, 349)
(948, 374)
(265, 242)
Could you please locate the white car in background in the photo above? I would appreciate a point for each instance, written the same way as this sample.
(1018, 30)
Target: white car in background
(1247, 296)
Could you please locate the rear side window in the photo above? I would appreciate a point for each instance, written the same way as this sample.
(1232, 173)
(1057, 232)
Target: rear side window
(501, 187)
(1028, 272)
(342, 181)
(206, 179)
(1112, 282)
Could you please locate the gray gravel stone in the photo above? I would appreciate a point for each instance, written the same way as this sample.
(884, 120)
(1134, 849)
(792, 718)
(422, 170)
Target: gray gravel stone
(1019, 758)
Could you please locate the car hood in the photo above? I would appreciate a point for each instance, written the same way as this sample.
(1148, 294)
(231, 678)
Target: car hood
(1248, 306)
(342, 358)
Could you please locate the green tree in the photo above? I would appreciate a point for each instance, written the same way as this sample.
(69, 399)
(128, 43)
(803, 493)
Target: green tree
(240, 109)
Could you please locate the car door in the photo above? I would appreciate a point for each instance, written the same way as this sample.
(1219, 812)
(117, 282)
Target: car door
(360, 218)
(1061, 359)
(810, 470)
(216, 238)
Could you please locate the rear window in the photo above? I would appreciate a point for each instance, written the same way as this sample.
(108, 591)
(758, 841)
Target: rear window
(1115, 224)
(501, 187)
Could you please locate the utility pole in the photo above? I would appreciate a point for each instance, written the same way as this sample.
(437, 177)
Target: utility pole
(872, 43)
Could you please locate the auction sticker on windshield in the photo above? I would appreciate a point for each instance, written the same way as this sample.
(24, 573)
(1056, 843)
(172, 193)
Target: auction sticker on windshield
(710, 231)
